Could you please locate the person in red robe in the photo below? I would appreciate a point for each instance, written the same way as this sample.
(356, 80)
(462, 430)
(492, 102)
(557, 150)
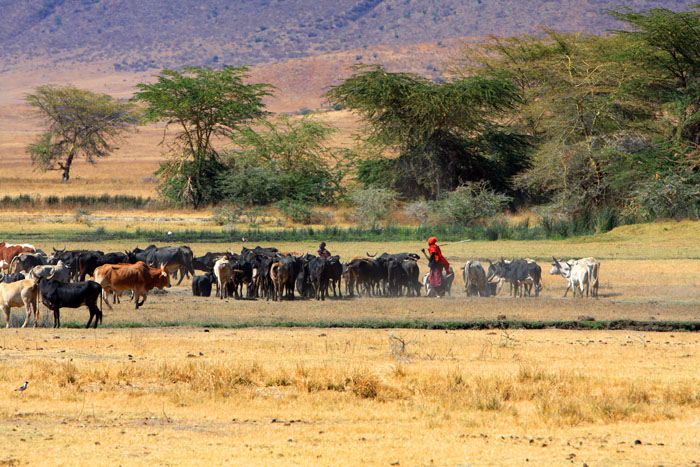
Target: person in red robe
(436, 263)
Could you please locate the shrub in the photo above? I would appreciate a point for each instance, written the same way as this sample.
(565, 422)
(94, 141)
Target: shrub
(469, 202)
(665, 197)
(298, 211)
(228, 214)
(419, 210)
(372, 205)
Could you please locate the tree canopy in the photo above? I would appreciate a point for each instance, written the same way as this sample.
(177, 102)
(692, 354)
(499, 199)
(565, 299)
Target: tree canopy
(445, 134)
(79, 123)
(201, 103)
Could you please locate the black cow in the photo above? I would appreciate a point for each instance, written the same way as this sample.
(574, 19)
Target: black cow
(25, 262)
(56, 295)
(206, 262)
(173, 259)
(70, 259)
(201, 285)
(8, 278)
(319, 275)
(89, 261)
(335, 274)
(521, 274)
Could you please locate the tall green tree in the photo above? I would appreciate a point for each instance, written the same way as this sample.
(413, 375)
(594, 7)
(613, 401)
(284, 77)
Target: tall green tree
(79, 123)
(201, 104)
(445, 134)
(586, 104)
(284, 158)
(668, 44)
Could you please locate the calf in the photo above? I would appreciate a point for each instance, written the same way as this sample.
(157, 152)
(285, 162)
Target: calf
(16, 294)
(56, 295)
(201, 285)
(9, 278)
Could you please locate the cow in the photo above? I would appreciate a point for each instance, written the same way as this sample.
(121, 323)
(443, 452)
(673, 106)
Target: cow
(206, 262)
(88, 261)
(279, 274)
(138, 277)
(335, 274)
(8, 251)
(59, 271)
(475, 283)
(56, 295)
(521, 274)
(223, 271)
(24, 262)
(201, 285)
(448, 278)
(319, 275)
(593, 272)
(173, 259)
(362, 274)
(4, 265)
(24, 292)
(70, 259)
(9, 278)
(577, 273)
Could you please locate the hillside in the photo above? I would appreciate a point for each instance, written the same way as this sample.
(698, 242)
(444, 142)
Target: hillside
(132, 35)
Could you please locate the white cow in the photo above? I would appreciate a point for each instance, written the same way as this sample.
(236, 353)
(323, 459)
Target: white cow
(475, 282)
(576, 272)
(16, 294)
(224, 274)
(593, 271)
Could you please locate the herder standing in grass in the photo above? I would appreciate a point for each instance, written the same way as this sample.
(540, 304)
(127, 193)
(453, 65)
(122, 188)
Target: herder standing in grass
(436, 263)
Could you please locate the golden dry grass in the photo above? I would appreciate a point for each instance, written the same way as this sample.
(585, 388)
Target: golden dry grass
(339, 397)
(336, 397)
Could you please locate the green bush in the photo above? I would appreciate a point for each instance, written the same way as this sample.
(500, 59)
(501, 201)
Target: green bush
(470, 202)
(298, 211)
(670, 196)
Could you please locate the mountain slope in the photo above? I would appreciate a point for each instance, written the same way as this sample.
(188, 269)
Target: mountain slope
(134, 35)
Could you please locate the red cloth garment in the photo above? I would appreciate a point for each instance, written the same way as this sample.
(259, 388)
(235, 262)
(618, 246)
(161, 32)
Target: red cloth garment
(433, 248)
(435, 277)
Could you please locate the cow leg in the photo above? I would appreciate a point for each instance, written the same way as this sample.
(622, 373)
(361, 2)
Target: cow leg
(57, 318)
(145, 294)
(6, 309)
(28, 311)
(568, 286)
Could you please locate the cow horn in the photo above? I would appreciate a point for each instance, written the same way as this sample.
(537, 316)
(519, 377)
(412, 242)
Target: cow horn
(371, 256)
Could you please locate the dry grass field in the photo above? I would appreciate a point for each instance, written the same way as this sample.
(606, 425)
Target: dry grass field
(348, 397)
(183, 391)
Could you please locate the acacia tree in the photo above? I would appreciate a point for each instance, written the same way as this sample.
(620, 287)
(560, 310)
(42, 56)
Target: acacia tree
(202, 103)
(284, 158)
(586, 104)
(445, 134)
(79, 123)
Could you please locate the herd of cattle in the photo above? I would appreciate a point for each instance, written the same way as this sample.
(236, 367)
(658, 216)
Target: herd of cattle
(27, 273)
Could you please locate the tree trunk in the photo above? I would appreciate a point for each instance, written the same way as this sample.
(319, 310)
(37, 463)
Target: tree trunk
(66, 167)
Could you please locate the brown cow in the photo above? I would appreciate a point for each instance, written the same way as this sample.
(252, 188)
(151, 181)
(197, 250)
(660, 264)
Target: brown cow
(279, 275)
(138, 277)
(8, 251)
(24, 292)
